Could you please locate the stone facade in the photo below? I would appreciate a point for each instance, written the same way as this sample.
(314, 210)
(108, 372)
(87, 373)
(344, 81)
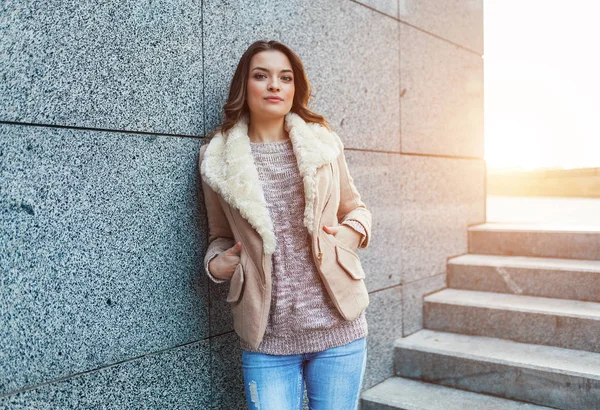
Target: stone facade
(103, 108)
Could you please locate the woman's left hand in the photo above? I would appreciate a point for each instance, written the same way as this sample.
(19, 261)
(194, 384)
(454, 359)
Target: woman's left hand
(344, 234)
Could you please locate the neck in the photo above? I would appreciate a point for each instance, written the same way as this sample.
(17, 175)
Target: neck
(266, 129)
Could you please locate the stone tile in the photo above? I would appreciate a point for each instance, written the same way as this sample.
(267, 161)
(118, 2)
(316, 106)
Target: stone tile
(548, 376)
(440, 198)
(389, 7)
(376, 178)
(412, 301)
(545, 277)
(227, 379)
(111, 65)
(177, 378)
(384, 318)
(442, 102)
(401, 393)
(539, 240)
(101, 250)
(562, 323)
(458, 21)
(221, 318)
(351, 56)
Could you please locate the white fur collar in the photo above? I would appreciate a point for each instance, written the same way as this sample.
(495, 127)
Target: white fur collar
(228, 168)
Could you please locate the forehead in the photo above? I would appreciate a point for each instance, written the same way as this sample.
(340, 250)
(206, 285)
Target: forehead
(272, 59)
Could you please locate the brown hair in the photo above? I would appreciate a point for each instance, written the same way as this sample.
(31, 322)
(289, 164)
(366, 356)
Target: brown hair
(236, 104)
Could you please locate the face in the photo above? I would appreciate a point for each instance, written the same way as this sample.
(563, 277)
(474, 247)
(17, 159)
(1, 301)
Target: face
(270, 76)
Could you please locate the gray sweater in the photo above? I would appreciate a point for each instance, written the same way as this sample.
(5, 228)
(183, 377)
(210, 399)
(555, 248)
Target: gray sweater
(302, 317)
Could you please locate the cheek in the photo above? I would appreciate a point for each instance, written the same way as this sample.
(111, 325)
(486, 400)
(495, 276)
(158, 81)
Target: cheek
(290, 91)
(254, 89)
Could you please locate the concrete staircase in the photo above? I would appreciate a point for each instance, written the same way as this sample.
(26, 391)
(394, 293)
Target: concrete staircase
(517, 328)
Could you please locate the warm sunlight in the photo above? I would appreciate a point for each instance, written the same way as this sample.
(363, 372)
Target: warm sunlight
(542, 84)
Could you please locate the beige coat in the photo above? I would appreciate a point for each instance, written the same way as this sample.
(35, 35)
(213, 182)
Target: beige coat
(237, 211)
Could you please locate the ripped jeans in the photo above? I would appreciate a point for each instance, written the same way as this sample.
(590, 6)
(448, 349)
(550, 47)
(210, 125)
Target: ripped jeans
(333, 378)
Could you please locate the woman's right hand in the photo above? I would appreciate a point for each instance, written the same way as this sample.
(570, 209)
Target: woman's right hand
(223, 265)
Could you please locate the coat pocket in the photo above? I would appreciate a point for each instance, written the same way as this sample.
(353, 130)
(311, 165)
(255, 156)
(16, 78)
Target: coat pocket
(236, 285)
(349, 261)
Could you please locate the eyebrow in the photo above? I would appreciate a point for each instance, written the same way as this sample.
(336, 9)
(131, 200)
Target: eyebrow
(285, 70)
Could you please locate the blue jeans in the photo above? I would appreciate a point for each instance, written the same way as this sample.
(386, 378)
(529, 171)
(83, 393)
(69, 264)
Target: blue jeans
(333, 378)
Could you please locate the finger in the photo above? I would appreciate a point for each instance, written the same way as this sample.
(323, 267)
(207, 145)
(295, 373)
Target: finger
(234, 265)
(235, 248)
(331, 229)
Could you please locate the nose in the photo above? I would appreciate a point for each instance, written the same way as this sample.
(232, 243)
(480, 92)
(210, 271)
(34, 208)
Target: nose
(273, 86)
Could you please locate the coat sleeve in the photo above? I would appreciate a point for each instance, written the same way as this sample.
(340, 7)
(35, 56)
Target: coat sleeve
(351, 206)
(220, 237)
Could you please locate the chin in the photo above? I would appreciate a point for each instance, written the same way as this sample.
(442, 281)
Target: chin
(272, 113)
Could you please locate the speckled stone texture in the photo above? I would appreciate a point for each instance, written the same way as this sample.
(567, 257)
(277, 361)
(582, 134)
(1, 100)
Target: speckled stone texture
(546, 277)
(120, 65)
(384, 318)
(373, 175)
(542, 240)
(397, 393)
(441, 198)
(176, 378)
(101, 250)
(457, 21)
(221, 318)
(442, 101)
(227, 379)
(544, 375)
(412, 301)
(350, 52)
(571, 324)
(389, 7)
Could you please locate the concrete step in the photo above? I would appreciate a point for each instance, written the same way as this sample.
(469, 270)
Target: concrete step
(544, 240)
(399, 393)
(543, 375)
(527, 275)
(571, 324)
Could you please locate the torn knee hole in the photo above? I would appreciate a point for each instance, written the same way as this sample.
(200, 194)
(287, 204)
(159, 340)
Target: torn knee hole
(254, 394)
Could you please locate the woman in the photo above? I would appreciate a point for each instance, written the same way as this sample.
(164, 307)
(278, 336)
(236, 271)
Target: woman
(285, 220)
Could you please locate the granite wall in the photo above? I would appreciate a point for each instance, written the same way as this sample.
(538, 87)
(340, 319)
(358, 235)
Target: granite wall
(103, 108)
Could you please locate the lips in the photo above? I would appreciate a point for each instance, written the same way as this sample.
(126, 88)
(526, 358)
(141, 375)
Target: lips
(274, 98)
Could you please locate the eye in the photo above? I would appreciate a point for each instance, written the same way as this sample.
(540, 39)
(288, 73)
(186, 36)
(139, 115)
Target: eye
(288, 78)
(259, 75)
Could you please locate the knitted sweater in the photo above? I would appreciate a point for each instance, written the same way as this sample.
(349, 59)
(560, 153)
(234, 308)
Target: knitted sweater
(302, 317)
